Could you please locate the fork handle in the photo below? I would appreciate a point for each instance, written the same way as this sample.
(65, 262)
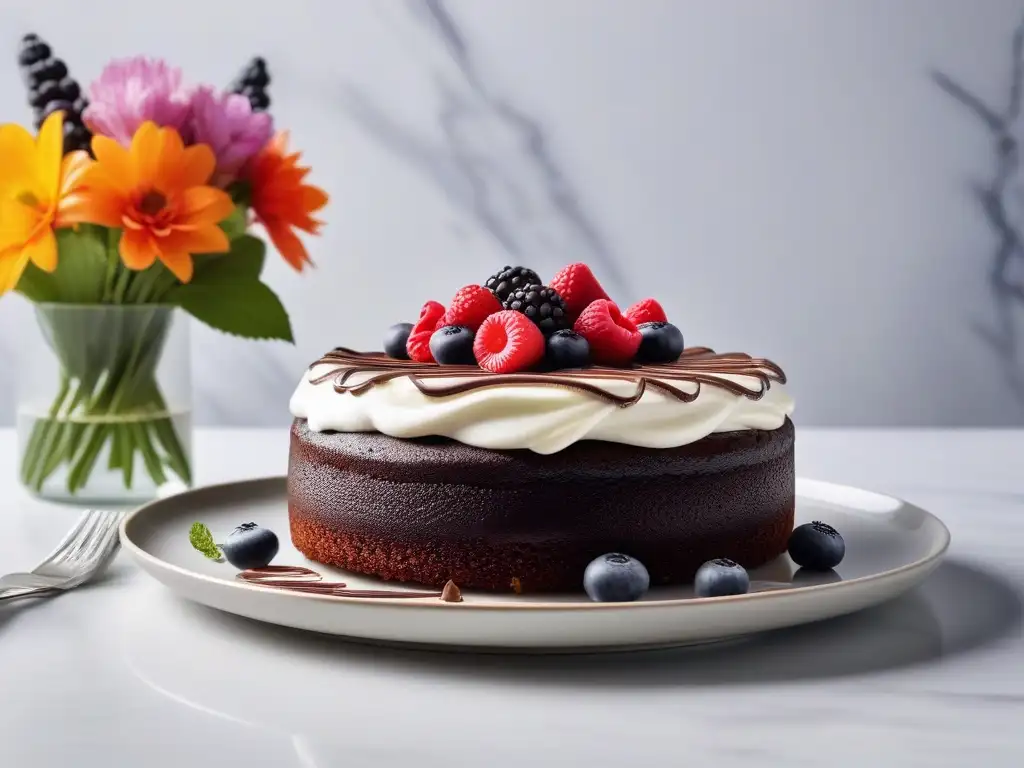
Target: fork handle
(14, 594)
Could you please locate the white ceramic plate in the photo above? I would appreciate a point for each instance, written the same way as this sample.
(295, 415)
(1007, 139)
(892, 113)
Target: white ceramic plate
(891, 546)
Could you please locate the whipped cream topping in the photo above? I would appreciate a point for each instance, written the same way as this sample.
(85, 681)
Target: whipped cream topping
(655, 408)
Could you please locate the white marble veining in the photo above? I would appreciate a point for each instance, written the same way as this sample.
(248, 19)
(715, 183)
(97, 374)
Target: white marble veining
(787, 176)
(128, 675)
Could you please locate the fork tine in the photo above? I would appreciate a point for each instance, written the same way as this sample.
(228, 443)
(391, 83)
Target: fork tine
(85, 518)
(71, 536)
(72, 552)
(93, 550)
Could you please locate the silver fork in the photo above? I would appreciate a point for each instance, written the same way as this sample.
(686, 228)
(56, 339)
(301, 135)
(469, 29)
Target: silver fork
(84, 553)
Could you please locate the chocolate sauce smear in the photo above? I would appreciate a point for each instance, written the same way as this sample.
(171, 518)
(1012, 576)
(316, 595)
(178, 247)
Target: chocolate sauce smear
(697, 365)
(295, 578)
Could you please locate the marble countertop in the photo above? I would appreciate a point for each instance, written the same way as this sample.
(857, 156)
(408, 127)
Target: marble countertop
(122, 673)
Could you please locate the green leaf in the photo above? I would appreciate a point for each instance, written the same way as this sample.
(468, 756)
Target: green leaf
(199, 536)
(81, 269)
(241, 193)
(37, 286)
(246, 308)
(243, 262)
(235, 224)
(226, 294)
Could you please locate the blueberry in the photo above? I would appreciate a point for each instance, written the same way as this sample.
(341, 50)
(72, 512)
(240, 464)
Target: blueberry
(615, 578)
(808, 577)
(659, 343)
(816, 546)
(717, 578)
(567, 349)
(395, 340)
(250, 546)
(452, 345)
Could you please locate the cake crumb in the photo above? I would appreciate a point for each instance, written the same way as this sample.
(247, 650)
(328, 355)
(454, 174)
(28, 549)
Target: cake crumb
(451, 593)
(517, 585)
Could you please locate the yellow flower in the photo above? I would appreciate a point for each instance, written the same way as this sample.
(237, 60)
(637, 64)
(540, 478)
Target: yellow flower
(35, 180)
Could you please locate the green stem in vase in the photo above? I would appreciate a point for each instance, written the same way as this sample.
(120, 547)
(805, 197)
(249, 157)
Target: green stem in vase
(109, 398)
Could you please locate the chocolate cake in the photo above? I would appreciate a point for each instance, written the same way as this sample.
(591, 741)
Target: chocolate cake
(430, 508)
(531, 438)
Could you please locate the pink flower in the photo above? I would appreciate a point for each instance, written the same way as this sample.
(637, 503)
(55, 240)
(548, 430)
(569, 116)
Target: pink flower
(227, 123)
(131, 91)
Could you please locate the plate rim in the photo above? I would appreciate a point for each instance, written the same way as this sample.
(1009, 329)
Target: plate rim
(158, 564)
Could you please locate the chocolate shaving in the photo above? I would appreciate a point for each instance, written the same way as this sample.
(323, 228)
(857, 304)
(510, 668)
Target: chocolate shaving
(451, 592)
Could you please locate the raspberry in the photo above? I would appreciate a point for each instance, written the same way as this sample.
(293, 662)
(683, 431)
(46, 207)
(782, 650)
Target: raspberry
(646, 311)
(471, 306)
(431, 318)
(613, 339)
(578, 287)
(508, 342)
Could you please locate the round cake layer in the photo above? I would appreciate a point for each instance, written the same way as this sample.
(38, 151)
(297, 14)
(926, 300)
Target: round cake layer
(432, 509)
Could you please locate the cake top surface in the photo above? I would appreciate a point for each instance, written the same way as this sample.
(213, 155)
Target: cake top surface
(514, 363)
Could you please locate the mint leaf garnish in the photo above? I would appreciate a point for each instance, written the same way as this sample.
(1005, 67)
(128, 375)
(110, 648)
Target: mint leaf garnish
(201, 538)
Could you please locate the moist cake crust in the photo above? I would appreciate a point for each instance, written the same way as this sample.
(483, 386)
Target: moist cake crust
(433, 509)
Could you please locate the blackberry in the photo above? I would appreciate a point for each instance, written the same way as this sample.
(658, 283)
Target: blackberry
(542, 305)
(51, 89)
(252, 83)
(509, 279)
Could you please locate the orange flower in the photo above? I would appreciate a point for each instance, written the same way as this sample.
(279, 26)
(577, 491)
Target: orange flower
(36, 180)
(157, 192)
(281, 201)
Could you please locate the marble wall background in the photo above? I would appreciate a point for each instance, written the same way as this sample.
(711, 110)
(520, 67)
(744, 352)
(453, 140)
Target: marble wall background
(785, 175)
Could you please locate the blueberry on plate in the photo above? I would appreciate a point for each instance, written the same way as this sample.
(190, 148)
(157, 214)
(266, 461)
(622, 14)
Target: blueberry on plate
(250, 546)
(615, 578)
(452, 345)
(567, 349)
(817, 546)
(721, 577)
(395, 339)
(808, 577)
(659, 343)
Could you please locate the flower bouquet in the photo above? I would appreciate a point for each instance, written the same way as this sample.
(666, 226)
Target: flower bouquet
(129, 206)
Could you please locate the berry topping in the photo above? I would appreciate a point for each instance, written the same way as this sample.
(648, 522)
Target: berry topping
(452, 345)
(717, 578)
(646, 311)
(418, 345)
(508, 342)
(615, 578)
(395, 341)
(541, 304)
(661, 343)
(509, 279)
(578, 287)
(816, 546)
(613, 338)
(250, 546)
(471, 306)
(567, 349)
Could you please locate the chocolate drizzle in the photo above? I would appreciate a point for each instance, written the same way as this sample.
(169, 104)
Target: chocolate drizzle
(295, 578)
(697, 365)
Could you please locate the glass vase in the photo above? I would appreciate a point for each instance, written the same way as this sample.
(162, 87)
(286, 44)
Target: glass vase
(105, 404)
